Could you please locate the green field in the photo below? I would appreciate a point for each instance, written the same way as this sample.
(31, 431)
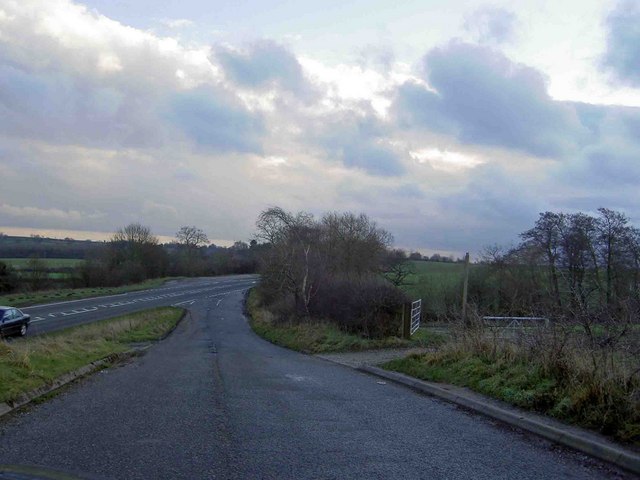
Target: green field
(439, 284)
(20, 263)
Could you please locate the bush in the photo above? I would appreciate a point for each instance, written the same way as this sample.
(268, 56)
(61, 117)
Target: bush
(368, 306)
(9, 281)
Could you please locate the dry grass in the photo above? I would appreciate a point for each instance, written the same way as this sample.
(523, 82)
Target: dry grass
(30, 363)
(552, 371)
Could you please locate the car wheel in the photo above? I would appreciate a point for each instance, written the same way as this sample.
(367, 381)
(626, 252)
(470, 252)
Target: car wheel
(23, 330)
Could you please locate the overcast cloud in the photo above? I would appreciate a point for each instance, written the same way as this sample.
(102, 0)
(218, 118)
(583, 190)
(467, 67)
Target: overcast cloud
(103, 123)
(622, 56)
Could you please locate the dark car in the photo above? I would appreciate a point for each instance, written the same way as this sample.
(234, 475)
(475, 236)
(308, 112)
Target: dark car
(13, 322)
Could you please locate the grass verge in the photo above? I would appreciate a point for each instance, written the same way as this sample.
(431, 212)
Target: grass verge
(24, 299)
(31, 363)
(567, 388)
(318, 337)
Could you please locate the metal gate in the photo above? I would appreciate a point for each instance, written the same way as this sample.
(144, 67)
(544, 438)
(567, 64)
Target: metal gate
(416, 311)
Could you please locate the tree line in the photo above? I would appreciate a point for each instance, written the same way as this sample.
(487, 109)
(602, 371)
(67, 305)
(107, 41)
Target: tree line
(25, 247)
(566, 265)
(134, 254)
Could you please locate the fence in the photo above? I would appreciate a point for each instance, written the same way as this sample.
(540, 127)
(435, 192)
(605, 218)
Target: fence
(516, 322)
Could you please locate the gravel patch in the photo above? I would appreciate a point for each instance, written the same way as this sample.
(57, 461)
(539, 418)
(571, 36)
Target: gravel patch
(370, 357)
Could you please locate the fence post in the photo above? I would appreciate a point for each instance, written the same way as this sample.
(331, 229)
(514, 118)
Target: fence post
(406, 323)
(465, 287)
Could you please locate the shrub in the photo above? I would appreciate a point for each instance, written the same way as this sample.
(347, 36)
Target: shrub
(368, 305)
(8, 279)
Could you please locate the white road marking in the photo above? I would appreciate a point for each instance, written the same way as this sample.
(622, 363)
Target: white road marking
(186, 302)
(71, 301)
(82, 310)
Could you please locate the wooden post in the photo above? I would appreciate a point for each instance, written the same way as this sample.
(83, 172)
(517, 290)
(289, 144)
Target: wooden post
(406, 323)
(465, 287)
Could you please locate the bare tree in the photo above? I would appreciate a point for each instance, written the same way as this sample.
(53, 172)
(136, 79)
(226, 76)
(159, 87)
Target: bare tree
(354, 244)
(192, 237)
(398, 267)
(613, 235)
(135, 234)
(305, 252)
(293, 240)
(135, 253)
(545, 235)
(37, 275)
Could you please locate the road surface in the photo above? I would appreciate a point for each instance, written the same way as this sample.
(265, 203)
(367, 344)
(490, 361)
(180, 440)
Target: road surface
(214, 401)
(56, 316)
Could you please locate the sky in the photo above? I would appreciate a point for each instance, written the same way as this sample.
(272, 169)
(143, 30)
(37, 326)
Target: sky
(451, 124)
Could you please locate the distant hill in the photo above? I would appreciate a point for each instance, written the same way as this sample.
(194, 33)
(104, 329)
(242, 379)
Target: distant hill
(24, 247)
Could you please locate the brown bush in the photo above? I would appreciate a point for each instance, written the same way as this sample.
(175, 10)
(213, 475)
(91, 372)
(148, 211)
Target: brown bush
(368, 305)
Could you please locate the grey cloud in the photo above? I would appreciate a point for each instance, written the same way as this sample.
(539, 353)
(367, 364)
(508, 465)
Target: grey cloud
(262, 65)
(483, 98)
(609, 165)
(358, 141)
(622, 55)
(63, 109)
(492, 25)
(69, 109)
(215, 121)
(612, 167)
(605, 121)
(495, 206)
(375, 159)
(493, 196)
(414, 105)
(364, 196)
(631, 121)
(614, 163)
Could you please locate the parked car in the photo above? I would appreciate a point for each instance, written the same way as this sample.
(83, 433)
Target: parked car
(13, 322)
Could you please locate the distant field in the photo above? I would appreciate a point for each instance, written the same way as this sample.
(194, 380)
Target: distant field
(431, 274)
(439, 284)
(20, 263)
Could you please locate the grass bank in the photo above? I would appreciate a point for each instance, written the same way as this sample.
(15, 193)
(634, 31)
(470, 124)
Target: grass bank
(568, 383)
(318, 337)
(31, 363)
(24, 299)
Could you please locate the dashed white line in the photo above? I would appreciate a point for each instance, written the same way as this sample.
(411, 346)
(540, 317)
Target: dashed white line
(82, 310)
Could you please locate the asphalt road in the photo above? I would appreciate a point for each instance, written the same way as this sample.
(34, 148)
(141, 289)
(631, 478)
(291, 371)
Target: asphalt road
(215, 401)
(56, 316)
